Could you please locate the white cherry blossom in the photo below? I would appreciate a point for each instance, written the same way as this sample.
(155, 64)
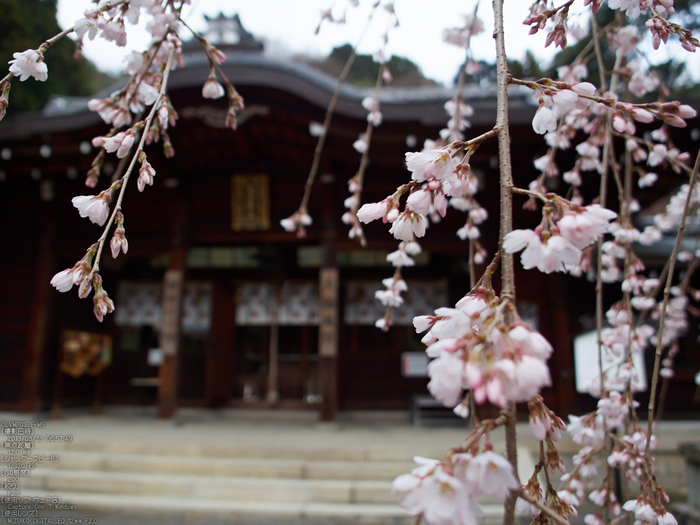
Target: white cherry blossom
(544, 121)
(94, 208)
(27, 64)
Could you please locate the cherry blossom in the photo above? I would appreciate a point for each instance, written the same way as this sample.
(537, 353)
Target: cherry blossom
(372, 211)
(146, 173)
(402, 256)
(95, 208)
(121, 142)
(419, 201)
(29, 63)
(212, 88)
(438, 496)
(63, 280)
(426, 165)
(582, 228)
(297, 222)
(490, 472)
(444, 492)
(408, 225)
(103, 305)
(544, 121)
(86, 26)
(547, 255)
(119, 242)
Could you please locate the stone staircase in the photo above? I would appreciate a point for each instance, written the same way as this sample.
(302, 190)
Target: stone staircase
(292, 482)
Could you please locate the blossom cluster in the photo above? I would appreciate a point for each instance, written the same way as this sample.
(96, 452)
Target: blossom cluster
(481, 351)
(148, 73)
(482, 346)
(444, 492)
(566, 229)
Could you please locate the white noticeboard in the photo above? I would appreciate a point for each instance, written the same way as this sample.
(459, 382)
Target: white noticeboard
(155, 357)
(587, 364)
(414, 364)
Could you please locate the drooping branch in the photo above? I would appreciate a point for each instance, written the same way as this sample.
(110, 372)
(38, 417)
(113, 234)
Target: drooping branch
(130, 169)
(667, 297)
(506, 221)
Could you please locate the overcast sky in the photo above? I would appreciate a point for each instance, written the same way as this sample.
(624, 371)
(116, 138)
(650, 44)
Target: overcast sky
(287, 26)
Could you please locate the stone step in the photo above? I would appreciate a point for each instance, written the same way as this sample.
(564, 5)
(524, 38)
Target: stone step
(294, 451)
(280, 490)
(229, 467)
(364, 513)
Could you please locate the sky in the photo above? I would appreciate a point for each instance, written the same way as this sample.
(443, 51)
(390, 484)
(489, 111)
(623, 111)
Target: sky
(288, 28)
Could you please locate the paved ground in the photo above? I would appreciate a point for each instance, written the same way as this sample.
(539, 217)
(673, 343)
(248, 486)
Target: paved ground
(127, 517)
(370, 435)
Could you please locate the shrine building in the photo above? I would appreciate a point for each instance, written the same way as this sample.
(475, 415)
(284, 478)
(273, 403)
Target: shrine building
(217, 305)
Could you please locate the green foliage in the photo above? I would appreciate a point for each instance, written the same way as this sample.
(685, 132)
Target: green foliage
(365, 69)
(528, 69)
(26, 24)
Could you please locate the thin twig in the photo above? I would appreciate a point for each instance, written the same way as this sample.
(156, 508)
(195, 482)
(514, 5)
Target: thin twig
(544, 508)
(327, 121)
(667, 295)
(127, 175)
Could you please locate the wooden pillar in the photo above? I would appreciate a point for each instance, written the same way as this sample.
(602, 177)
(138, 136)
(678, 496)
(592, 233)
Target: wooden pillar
(42, 300)
(272, 396)
(328, 328)
(173, 285)
(562, 361)
(220, 354)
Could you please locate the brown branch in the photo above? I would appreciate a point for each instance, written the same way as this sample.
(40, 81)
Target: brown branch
(125, 179)
(667, 293)
(544, 508)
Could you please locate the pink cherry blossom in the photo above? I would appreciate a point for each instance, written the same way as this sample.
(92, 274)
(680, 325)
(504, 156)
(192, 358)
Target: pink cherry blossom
(212, 88)
(119, 242)
(439, 497)
(446, 378)
(419, 201)
(103, 305)
(517, 240)
(146, 175)
(121, 142)
(492, 474)
(537, 428)
(426, 165)
(584, 228)
(361, 145)
(529, 342)
(87, 26)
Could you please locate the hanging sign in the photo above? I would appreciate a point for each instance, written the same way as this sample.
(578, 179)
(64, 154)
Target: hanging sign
(172, 302)
(328, 326)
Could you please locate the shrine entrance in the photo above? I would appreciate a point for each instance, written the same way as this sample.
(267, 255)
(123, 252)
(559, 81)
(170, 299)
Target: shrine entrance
(276, 345)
